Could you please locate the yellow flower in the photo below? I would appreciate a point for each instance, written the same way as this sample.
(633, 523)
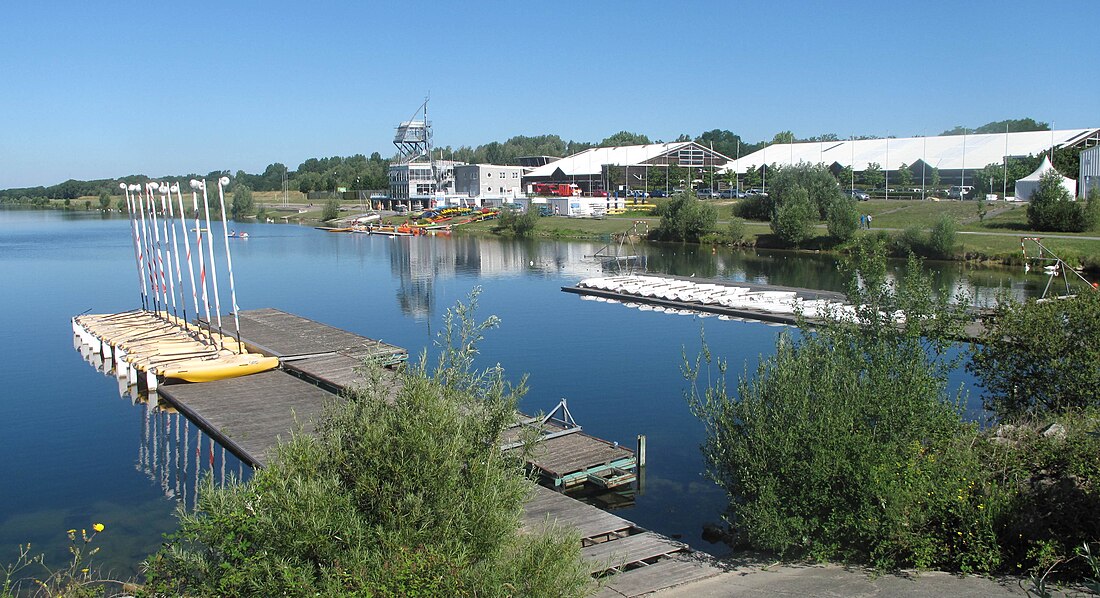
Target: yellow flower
(97, 527)
(72, 531)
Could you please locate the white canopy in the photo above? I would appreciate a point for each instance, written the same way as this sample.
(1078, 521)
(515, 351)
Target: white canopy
(1027, 186)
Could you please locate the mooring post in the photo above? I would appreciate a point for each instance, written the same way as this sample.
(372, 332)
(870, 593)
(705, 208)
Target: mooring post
(641, 450)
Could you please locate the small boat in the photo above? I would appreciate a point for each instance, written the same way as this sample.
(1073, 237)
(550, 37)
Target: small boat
(209, 370)
(237, 235)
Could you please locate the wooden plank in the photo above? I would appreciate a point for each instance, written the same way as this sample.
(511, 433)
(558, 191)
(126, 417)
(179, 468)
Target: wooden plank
(631, 549)
(549, 507)
(250, 415)
(674, 570)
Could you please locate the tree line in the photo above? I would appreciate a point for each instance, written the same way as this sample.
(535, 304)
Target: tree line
(362, 172)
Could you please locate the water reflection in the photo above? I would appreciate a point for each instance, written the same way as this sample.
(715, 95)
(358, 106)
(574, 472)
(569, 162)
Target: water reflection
(173, 453)
(419, 264)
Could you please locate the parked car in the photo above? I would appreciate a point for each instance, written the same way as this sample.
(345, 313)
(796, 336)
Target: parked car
(857, 194)
(599, 194)
(731, 194)
(760, 192)
(707, 194)
(659, 193)
(960, 192)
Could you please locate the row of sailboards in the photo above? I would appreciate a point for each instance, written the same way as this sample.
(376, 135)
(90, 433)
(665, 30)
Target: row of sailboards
(159, 341)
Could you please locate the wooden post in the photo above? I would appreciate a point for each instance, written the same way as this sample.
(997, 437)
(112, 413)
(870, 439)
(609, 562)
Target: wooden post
(641, 450)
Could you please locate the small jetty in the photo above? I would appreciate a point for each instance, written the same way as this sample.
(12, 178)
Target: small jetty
(766, 303)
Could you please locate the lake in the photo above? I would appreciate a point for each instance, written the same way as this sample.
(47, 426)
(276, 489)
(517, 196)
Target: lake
(80, 452)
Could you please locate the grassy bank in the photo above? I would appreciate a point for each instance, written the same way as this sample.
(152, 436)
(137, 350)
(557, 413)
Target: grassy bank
(993, 238)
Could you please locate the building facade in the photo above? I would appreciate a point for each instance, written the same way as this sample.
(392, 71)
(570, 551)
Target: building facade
(488, 180)
(415, 180)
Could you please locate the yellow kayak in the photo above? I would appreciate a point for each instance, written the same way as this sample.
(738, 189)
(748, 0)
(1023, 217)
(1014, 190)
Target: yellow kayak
(208, 370)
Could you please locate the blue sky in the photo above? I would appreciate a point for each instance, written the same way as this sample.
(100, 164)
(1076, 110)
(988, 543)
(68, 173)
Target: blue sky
(99, 90)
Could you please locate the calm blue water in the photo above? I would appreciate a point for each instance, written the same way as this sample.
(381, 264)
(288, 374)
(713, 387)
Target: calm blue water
(76, 451)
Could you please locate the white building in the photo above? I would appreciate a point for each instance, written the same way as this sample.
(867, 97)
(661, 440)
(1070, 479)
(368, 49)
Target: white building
(955, 156)
(1027, 186)
(1089, 176)
(415, 180)
(489, 181)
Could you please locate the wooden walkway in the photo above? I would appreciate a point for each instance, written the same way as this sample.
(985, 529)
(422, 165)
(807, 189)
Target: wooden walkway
(251, 415)
(630, 561)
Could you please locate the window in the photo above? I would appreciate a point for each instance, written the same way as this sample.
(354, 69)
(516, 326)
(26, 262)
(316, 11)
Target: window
(691, 156)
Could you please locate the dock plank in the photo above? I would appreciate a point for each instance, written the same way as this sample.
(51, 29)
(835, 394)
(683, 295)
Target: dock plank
(631, 549)
(250, 414)
(677, 569)
(549, 507)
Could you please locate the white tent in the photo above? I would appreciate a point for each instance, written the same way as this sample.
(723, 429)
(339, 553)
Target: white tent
(1026, 186)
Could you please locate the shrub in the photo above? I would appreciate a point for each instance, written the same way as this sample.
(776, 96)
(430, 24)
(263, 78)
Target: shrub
(1040, 356)
(755, 207)
(941, 239)
(1048, 467)
(842, 219)
(736, 229)
(1053, 209)
(686, 218)
(847, 445)
(519, 224)
(794, 217)
(331, 210)
(402, 491)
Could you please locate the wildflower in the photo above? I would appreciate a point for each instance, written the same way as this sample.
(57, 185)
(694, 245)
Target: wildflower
(97, 527)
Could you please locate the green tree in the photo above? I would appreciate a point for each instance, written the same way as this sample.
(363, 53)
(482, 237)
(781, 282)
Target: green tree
(380, 502)
(844, 177)
(624, 138)
(783, 137)
(941, 239)
(752, 177)
(243, 204)
(122, 206)
(935, 179)
(842, 219)
(905, 176)
(820, 185)
(873, 177)
(1052, 207)
(845, 445)
(331, 210)
(685, 218)
(1040, 356)
(795, 215)
(1013, 126)
(1092, 209)
(981, 207)
(104, 201)
(87, 204)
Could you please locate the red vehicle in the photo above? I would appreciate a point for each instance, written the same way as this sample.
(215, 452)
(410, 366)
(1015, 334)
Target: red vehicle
(557, 189)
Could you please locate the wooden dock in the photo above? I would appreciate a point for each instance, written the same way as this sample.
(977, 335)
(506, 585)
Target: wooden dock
(631, 561)
(972, 330)
(251, 415)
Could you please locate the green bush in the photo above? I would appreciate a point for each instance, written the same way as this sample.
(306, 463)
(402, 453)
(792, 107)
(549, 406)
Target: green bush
(820, 185)
(403, 491)
(846, 445)
(795, 216)
(331, 210)
(755, 207)
(685, 218)
(736, 229)
(513, 222)
(941, 239)
(1040, 357)
(1049, 468)
(1052, 208)
(842, 219)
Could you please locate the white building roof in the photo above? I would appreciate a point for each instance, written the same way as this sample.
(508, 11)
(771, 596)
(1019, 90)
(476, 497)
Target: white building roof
(947, 152)
(590, 162)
